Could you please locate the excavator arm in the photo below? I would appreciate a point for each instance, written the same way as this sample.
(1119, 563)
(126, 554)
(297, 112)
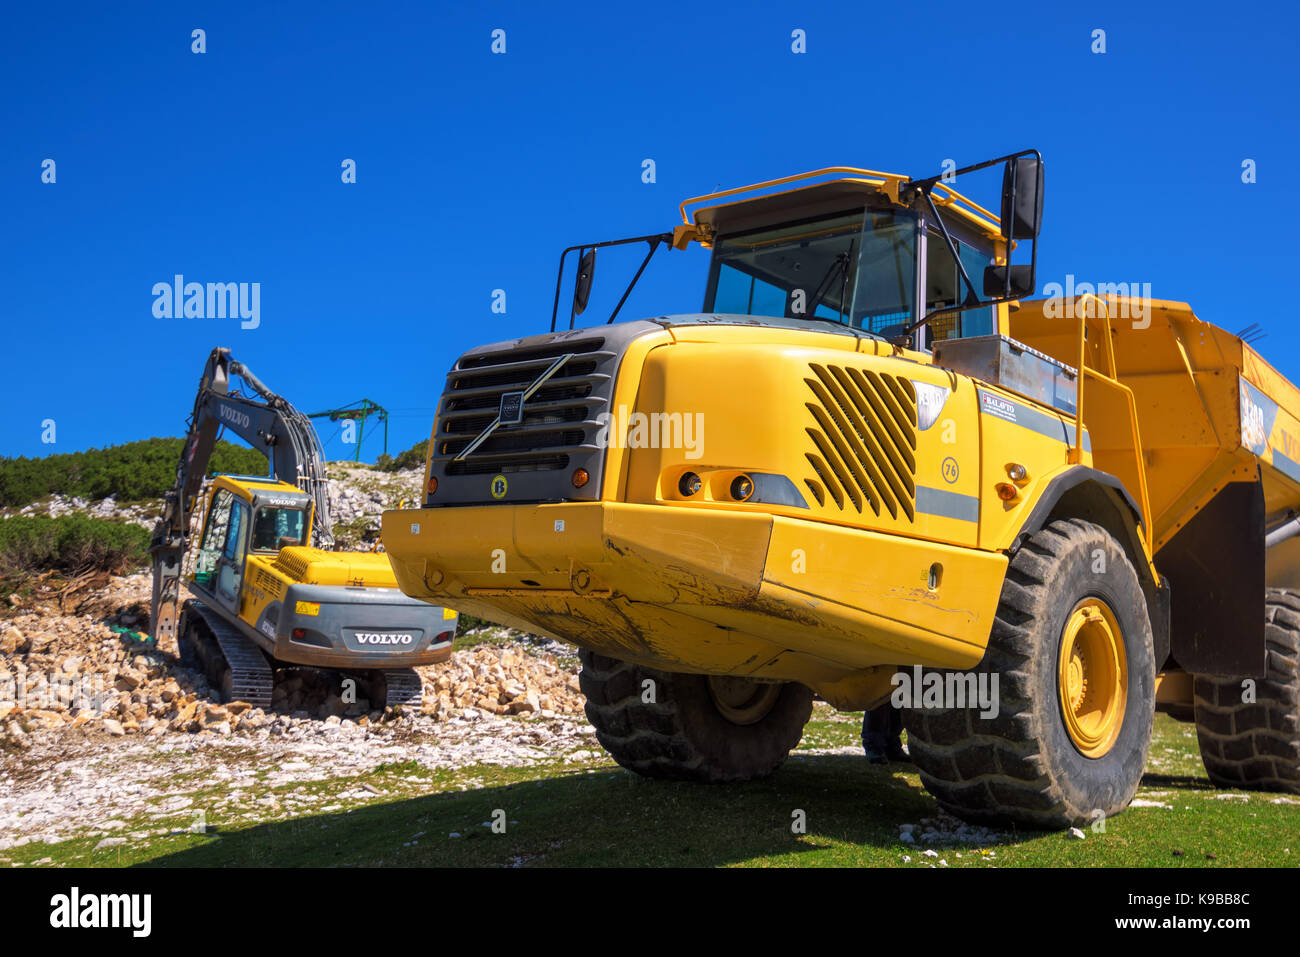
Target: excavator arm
(270, 424)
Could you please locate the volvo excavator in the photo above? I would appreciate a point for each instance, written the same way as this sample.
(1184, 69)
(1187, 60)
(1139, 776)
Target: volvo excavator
(268, 589)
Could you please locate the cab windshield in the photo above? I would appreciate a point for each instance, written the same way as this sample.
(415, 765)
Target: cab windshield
(276, 528)
(858, 269)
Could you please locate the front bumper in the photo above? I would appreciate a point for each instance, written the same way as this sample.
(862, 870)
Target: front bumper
(705, 590)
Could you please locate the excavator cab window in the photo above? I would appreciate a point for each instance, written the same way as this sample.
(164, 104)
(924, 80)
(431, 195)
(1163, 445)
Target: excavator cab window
(220, 563)
(214, 536)
(230, 566)
(276, 528)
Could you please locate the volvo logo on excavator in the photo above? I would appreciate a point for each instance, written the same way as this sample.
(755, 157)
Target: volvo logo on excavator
(235, 416)
(383, 638)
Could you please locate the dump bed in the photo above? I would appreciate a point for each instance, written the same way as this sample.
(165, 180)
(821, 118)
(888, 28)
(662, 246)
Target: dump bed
(1217, 426)
(1209, 406)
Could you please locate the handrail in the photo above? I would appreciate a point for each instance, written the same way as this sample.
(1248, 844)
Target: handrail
(1076, 453)
(953, 198)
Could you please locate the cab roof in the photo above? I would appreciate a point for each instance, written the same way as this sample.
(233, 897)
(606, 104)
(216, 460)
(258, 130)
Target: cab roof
(820, 192)
(264, 490)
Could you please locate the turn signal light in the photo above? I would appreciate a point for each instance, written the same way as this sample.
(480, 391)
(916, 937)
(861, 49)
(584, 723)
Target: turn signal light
(433, 484)
(1007, 492)
(580, 478)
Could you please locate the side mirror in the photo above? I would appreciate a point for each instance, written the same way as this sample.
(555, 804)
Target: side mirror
(1022, 198)
(582, 285)
(995, 282)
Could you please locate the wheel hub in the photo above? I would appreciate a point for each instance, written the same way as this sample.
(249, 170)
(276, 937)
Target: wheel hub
(743, 700)
(1093, 677)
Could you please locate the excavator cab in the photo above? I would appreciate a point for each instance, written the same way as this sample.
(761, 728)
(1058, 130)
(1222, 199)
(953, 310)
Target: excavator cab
(246, 514)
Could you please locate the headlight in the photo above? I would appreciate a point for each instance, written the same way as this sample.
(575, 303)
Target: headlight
(930, 400)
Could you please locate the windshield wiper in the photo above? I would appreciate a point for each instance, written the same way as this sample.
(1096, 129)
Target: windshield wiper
(840, 264)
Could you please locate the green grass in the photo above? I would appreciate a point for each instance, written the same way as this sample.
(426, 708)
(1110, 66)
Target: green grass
(594, 813)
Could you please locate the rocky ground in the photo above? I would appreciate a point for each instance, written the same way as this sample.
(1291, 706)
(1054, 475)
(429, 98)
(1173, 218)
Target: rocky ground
(95, 724)
(96, 718)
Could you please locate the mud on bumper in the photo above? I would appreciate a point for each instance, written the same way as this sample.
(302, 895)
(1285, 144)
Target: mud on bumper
(710, 591)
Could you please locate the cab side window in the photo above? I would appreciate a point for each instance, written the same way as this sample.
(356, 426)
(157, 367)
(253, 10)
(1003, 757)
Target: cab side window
(214, 535)
(945, 287)
(236, 540)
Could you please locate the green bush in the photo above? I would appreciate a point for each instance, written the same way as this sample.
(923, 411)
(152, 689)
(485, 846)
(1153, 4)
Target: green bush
(131, 472)
(412, 458)
(70, 544)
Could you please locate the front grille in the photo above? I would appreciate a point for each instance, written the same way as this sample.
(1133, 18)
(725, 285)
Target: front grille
(558, 421)
(863, 432)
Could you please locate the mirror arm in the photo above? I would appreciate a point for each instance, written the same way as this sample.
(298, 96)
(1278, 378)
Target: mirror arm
(972, 298)
(654, 241)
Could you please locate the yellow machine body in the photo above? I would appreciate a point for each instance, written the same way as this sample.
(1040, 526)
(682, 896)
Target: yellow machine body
(895, 549)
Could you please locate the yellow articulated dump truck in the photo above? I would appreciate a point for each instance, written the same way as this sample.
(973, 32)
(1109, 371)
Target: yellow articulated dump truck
(873, 470)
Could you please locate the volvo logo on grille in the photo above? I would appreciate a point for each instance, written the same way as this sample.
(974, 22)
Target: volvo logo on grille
(512, 408)
(512, 401)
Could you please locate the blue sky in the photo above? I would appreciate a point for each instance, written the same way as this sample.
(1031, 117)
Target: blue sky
(475, 169)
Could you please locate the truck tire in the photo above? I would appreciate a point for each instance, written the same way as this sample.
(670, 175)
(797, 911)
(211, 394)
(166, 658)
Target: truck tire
(1071, 646)
(696, 728)
(1256, 746)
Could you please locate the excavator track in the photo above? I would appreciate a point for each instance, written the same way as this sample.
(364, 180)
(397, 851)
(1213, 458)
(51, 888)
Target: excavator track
(403, 688)
(244, 673)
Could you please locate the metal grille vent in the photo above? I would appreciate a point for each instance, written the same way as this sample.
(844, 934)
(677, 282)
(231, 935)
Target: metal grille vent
(560, 418)
(863, 440)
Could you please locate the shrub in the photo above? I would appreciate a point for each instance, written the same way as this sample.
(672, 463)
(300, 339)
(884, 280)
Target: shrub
(412, 458)
(130, 472)
(70, 545)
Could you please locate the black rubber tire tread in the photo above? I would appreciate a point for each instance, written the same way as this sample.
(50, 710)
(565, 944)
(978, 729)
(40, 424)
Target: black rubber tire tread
(1256, 746)
(1021, 766)
(682, 736)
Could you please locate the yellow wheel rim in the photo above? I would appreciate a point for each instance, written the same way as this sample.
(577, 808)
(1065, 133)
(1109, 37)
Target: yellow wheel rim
(742, 701)
(1093, 677)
